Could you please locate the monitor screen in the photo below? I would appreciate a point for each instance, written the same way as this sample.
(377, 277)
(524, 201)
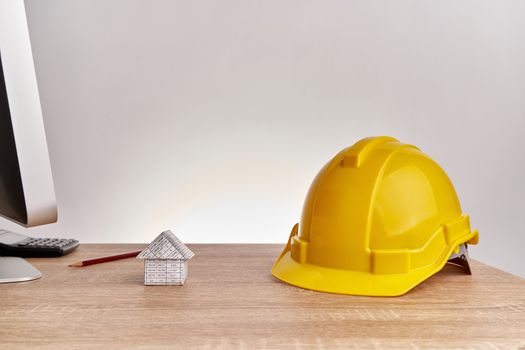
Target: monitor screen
(12, 201)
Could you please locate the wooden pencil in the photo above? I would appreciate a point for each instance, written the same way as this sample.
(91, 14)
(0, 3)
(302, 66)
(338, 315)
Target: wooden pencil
(105, 259)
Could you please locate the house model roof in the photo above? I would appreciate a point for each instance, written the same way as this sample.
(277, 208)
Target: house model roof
(166, 246)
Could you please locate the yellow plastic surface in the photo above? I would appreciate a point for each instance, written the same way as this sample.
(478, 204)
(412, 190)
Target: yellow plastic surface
(379, 218)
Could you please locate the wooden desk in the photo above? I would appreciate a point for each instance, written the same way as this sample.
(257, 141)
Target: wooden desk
(231, 301)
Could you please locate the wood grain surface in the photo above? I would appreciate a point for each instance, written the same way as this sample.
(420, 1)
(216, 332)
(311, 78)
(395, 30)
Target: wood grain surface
(231, 301)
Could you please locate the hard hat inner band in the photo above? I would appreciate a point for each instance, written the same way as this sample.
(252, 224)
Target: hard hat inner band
(460, 258)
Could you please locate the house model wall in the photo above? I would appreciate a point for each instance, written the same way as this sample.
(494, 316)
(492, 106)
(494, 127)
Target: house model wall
(166, 260)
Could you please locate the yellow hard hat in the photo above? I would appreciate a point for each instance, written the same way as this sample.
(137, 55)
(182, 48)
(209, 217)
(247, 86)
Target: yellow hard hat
(379, 218)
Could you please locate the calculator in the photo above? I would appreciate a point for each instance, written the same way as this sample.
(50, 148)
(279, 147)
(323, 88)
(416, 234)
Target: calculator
(15, 244)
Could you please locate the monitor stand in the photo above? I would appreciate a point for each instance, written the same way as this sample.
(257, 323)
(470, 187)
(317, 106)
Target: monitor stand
(13, 269)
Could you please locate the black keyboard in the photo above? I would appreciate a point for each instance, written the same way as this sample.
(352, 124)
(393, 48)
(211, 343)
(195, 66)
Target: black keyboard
(15, 244)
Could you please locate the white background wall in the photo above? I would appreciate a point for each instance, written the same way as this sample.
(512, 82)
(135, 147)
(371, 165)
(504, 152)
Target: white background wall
(212, 117)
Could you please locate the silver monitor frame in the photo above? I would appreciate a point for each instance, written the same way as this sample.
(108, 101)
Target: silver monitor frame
(26, 114)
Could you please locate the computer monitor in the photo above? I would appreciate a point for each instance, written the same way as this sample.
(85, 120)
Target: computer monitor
(26, 185)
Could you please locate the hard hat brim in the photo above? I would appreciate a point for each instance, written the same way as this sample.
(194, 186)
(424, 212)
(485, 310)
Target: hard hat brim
(330, 280)
(338, 281)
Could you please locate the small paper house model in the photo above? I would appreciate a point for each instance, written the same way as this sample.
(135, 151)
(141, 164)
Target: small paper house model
(166, 260)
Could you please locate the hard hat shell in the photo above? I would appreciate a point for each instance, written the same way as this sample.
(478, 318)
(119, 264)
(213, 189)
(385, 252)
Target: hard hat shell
(379, 218)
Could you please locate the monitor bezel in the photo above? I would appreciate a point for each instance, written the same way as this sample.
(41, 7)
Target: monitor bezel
(26, 115)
